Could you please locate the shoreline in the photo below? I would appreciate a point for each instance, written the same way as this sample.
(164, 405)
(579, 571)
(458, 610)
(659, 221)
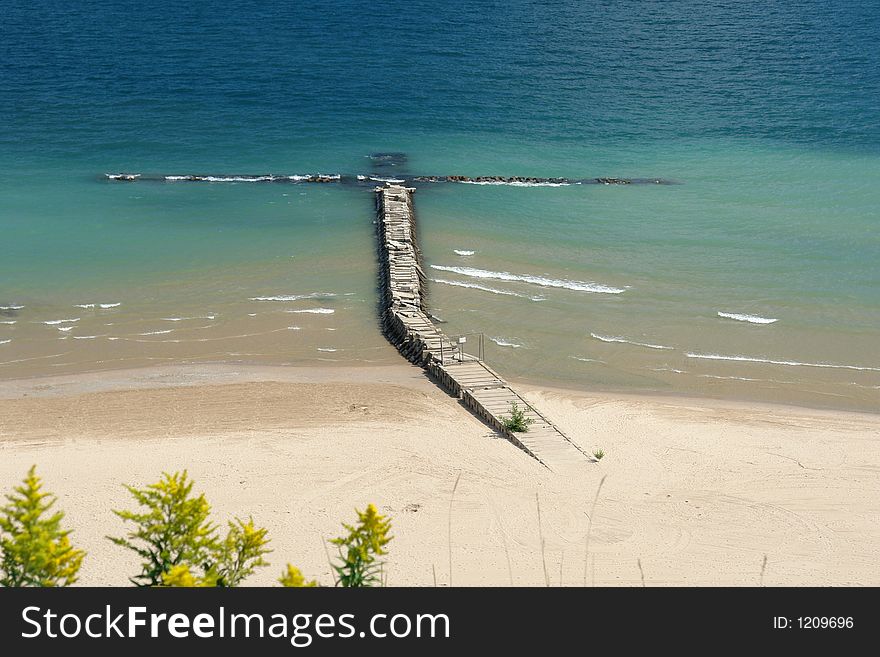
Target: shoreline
(176, 374)
(697, 491)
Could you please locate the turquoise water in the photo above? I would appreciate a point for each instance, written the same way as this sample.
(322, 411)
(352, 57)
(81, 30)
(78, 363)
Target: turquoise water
(766, 115)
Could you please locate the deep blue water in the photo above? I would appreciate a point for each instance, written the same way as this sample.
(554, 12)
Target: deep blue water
(167, 84)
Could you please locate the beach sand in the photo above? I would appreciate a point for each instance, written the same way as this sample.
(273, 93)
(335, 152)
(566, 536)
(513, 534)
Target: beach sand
(697, 492)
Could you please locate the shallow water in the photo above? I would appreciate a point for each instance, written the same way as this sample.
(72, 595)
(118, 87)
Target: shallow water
(765, 114)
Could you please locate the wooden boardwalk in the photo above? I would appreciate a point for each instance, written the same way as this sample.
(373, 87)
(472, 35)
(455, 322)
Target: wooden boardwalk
(408, 326)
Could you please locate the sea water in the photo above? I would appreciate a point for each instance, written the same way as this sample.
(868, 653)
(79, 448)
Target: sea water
(757, 276)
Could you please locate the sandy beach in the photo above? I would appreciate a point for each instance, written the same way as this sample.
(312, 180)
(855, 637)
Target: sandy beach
(696, 491)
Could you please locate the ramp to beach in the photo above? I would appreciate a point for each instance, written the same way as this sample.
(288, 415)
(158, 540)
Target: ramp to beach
(409, 327)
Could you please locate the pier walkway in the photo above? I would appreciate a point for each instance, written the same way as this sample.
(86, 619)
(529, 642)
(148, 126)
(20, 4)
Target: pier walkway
(409, 327)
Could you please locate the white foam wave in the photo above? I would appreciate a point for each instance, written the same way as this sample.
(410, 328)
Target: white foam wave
(6, 341)
(99, 305)
(11, 307)
(668, 369)
(183, 319)
(294, 328)
(65, 329)
(752, 319)
(314, 311)
(484, 288)
(513, 183)
(9, 322)
(588, 360)
(501, 342)
(54, 322)
(791, 363)
(733, 378)
(327, 349)
(157, 332)
(263, 178)
(580, 286)
(85, 337)
(123, 176)
(462, 252)
(617, 338)
(381, 179)
(296, 297)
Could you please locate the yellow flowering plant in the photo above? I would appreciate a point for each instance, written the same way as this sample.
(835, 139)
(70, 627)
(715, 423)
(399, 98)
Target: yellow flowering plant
(34, 550)
(174, 531)
(358, 551)
(293, 578)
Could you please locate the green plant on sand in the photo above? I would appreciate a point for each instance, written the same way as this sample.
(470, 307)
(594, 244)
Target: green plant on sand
(598, 454)
(517, 422)
(358, 551)
(34, 550)
(179, 544)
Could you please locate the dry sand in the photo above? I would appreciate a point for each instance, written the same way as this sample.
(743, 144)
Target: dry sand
(696, 491)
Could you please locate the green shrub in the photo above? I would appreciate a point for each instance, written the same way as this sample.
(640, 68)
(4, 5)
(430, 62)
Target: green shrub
(598, 454)
(34, 550)
(358, 551)
(293, 578)
(517, 421)
(175, 538)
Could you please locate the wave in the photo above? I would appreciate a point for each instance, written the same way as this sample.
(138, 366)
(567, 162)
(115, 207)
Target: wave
(381, 179)
(514, 183)
(615, 338)
(327, 349)
(6, 341)
(314, 311)
(296, 297)
(736, 378)
(501, 342)
(85, 337)
(752, 319)
(462, 252)
(668, 369)
(484, 288)
(183, 319)
(9, 322)
(65, 329)
(157, 332)
(588, 360)
(13, 307)
(294, 328)
(262, 178)
(122, 176)
(99, 305)
(791, 363)
(580, 286)
(53, 322)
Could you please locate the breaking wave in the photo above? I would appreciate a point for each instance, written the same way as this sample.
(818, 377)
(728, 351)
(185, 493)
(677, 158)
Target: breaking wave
(752, 319)
(484, 288)
(791, 363)
(615, 338)
(580, 286)
(501, 342)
